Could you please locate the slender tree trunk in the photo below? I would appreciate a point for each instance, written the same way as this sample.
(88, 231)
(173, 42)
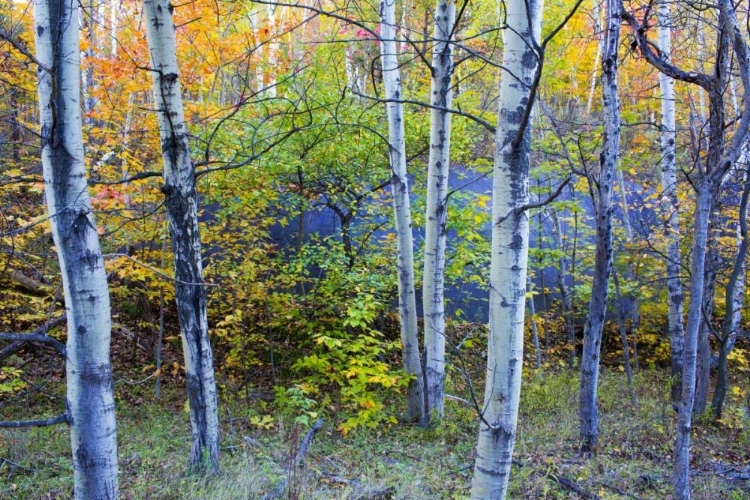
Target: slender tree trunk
(703, 360)
(670, 204)
(624, 338)
(437, 210)
(90, 401)
(534, 327)
(703, 208)
(273, 49)
(595, 15)
(592, 334)
(182, 211)
(407, 305)
(731, 321)
(565, 296)
(15, 125)
(509, 260)
(88, 73)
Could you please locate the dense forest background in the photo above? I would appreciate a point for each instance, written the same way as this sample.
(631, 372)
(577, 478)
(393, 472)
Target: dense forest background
(262, 227)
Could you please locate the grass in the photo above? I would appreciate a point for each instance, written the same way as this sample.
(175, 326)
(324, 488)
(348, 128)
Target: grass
(634, 458)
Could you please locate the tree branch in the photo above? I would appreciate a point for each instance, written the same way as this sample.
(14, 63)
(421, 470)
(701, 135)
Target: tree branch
(17, 424)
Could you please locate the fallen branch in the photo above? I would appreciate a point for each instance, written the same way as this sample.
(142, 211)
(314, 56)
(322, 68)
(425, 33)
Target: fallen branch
(562, 481)
(130, 334)
(29, 284)
(39, 335)
(17, 424)
(297, 461)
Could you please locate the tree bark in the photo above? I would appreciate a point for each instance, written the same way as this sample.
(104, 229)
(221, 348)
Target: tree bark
(407, 305)
(437, 210)
(182, 210)
(670, 205)
(592, 333)
(90, 401)
(732, 313)
(509, 247)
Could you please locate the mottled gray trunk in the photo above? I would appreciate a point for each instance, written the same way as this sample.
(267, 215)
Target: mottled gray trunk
(407, 304)
(182, 212)
(704, 355)
(509, 247)
(703, 208)
(90, 401)
(437, 210)
(731, 319)
(592, 333)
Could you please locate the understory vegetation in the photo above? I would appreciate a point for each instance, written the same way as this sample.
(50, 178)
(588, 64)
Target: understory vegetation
(391, 460)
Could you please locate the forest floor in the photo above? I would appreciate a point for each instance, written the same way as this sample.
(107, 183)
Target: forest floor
(399, 462)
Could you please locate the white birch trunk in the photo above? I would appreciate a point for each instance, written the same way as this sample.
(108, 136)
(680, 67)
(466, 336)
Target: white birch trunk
(273, 48)
(90, 401)
(592, 332)
(509, 260)
(182, 211)
(407, 305)
(670, 204)
(438, 170)
(596, 16)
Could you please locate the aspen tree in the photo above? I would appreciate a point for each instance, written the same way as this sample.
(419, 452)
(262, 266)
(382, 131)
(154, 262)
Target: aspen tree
(592, 332)
(509, 247)
(670, 204)
(407, 305)
(720, 156)
(438, 169)
(90, 401)
(182, 211)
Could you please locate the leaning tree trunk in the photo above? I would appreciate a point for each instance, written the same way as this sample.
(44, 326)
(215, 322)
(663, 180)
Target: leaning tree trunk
(670, 205)
(407, 304)
(592, 333)
(182, 211)
(731, 319)
(510, 246)
(90, 401)
(437, 207)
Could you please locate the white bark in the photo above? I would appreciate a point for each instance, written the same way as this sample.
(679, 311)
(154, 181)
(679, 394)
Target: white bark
(509, 260)
(401, 206)
(182, 211)
(90, 401)
(595, 15)
(273, 48)
(438, 170)
(670, 204)
(88, 56)
(592, 332)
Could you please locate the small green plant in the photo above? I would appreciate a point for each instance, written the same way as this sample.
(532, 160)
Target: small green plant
(10, 380)
(294, 400)
(351, 355)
